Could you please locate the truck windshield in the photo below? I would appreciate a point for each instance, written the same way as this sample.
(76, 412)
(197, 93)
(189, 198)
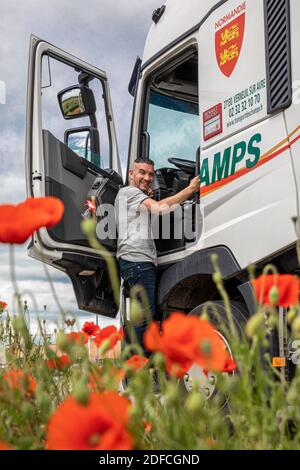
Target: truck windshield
(173, 127)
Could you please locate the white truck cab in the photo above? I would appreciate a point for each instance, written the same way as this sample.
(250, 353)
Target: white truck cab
(212, 96)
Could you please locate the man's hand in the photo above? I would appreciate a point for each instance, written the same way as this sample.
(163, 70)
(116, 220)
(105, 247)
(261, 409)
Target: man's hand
(93, 199)
(150, 192)
(166, 205)
(194, 185)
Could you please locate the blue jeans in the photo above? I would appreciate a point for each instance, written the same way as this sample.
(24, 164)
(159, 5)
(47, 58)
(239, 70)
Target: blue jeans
(143, 274)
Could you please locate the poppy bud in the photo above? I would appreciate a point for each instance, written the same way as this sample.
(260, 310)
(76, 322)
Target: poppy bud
(81, 392)
(292, 395)
(214, 258)
(274, 295)
(217, 277)
(292, 314)
(251, 270)
(136, 311)
(296, 326)
(254, 324)
(88, 226)
(194, 403)
(61, 340)
(158, 360)
(105, 346)
(273, 321)
(172, 394)
(205, 316)
(266, 343)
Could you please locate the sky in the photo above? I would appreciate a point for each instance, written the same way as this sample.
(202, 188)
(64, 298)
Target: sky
(109, 35)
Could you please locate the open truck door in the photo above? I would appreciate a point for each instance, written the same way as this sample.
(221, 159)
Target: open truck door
(70, 162)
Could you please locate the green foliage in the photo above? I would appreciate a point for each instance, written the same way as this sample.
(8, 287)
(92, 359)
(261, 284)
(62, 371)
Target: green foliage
(252, 408)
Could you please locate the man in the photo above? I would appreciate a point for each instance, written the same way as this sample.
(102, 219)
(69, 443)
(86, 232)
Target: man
(136, 248)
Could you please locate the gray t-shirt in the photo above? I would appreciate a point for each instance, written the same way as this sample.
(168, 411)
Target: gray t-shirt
(135, 242)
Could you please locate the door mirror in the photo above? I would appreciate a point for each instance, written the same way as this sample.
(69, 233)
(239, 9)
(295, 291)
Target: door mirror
(84, 141)
(76, 101)
(80, 142)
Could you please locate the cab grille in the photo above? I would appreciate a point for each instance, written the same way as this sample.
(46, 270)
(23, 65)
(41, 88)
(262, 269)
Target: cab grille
(278, 55)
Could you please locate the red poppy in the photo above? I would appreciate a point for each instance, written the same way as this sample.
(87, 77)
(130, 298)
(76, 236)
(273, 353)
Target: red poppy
(90, 328)
(4, 446)
(18, 222)
(18, 380)
(211, 442)
(100, 425)
(77, 337)
(3, 306)
(137, 362)
(287, 288)
(111, 333)
(229, 366)
(59, 362)
(147, 426)
(186, 340)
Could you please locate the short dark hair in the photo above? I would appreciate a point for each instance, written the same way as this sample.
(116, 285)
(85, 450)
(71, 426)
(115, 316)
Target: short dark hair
(144, 160)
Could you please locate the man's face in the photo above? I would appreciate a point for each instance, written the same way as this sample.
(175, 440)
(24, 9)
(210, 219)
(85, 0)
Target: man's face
(141, 176)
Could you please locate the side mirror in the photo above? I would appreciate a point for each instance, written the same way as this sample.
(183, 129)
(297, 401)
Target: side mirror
(76, 101)
(79, 140)
(84, 141)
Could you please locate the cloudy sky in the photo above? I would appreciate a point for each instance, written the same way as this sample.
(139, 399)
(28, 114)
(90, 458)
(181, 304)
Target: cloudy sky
(106, 34)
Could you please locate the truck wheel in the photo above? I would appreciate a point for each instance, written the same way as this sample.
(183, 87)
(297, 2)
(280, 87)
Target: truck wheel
(206, 380)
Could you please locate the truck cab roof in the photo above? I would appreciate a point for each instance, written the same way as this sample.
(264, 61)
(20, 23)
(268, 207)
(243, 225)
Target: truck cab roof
(179, 19)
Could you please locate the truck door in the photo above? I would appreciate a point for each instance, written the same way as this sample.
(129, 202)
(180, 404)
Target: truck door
(71, 147)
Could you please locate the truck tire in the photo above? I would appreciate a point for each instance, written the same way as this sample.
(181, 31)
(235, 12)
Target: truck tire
(239, 312)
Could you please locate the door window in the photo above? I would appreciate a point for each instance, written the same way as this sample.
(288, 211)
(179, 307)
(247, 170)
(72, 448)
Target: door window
(172, 117)
(173, 126)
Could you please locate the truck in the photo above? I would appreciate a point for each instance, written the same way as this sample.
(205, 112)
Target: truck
(216, 94)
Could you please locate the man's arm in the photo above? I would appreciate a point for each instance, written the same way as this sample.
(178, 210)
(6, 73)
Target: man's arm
(170, 203)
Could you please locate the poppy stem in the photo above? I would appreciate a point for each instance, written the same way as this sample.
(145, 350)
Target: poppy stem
(55, 296)
(134, 344)
(33, 299)
(267, 268)
(298, 251)
(220, 286)
(16, 294)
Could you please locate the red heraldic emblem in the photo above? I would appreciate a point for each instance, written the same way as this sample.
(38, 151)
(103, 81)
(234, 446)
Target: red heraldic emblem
(229, 41)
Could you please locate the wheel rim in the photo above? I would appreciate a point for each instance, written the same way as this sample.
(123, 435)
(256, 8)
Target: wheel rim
(206, 381)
